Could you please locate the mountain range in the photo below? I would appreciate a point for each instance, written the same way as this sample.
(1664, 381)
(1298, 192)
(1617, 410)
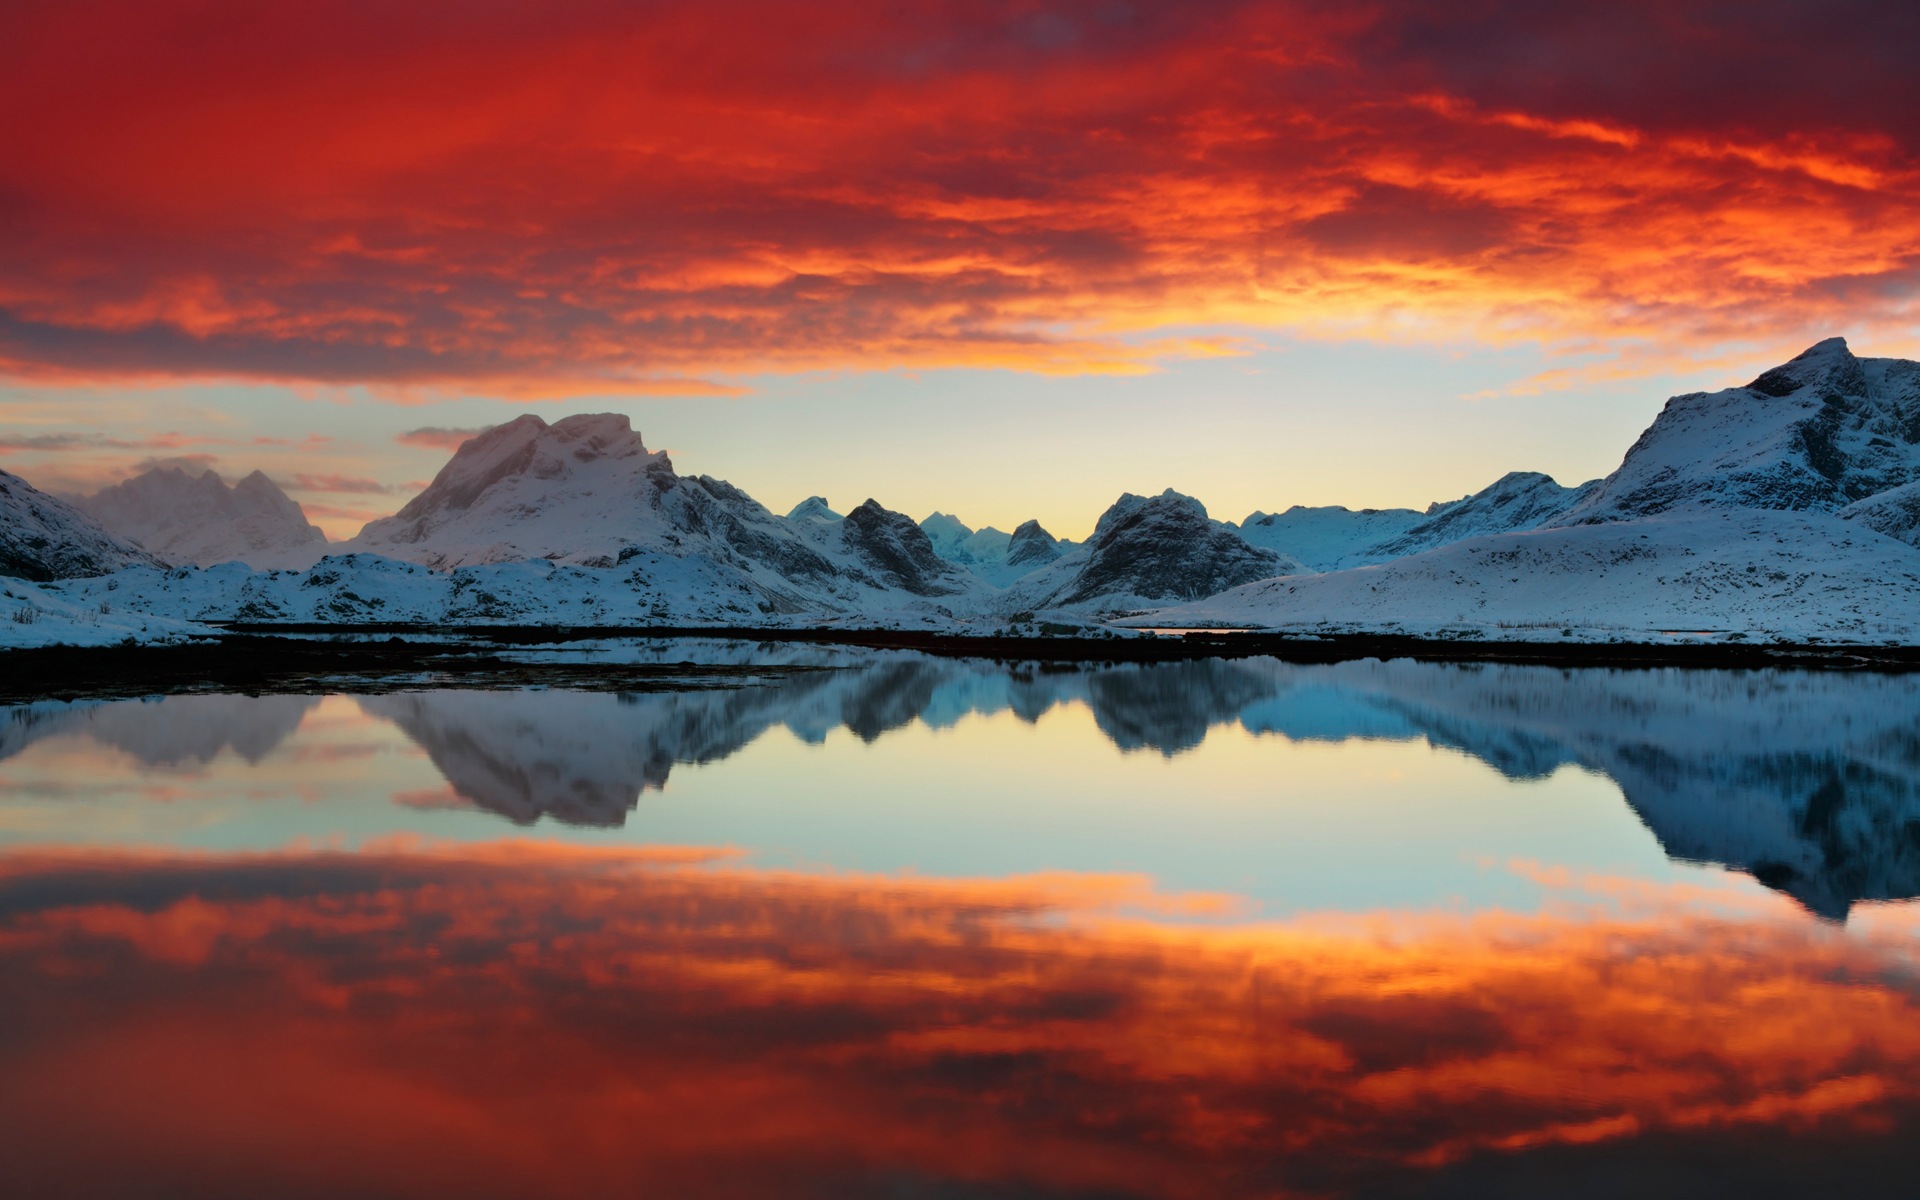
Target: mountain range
(1789, 507)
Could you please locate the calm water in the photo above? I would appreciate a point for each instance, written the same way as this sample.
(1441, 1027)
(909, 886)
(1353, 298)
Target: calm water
(895, 926)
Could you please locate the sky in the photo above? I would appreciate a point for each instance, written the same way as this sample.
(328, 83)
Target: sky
(1001, 259)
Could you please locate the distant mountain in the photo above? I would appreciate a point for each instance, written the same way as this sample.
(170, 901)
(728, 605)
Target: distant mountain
(1148, 550)
(1820, 433)
(1329, 537)
(198, 519)
(1517, 500)
(586, 491)
(955, 542)
(43, 537)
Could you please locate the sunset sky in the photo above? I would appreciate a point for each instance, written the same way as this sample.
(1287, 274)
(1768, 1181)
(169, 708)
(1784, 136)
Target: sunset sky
(1003, 259)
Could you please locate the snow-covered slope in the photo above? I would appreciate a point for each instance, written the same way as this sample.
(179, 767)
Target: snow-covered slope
(1819, 433)
(43, 537)
(999, 558)
(41, 614)
(1147, 550)
(1517, 500)
(200, 520)
(1757, 573)
(1894, 512)
(1329, 537)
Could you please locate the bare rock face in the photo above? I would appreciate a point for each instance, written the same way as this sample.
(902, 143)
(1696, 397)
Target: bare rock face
(43, 538)
(198, 519)
(1165, 548)
(1817, 434)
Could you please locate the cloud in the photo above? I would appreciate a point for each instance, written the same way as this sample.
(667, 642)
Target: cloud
(434, 437)
(573, 201)
(348, 484)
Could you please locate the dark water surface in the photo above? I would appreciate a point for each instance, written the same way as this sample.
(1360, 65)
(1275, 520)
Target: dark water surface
(902, 926)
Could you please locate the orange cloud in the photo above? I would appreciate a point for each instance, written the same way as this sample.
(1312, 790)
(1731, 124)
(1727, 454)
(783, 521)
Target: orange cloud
(579, 199)
(530, 1019)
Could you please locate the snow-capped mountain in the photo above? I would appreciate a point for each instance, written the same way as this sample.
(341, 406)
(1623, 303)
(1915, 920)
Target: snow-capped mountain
(43, 537)
(1783, 575)
(1147, 550)
(200, 520)
(955, 542)
(1819, 433)
(1331, 536)
(999, 558)
(586, 491)
(1517, 500)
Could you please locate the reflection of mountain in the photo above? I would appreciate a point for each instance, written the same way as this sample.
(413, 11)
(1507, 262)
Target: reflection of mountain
(1810, 781)
(169, 731)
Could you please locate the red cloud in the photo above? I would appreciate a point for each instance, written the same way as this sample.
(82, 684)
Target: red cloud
(585, 197)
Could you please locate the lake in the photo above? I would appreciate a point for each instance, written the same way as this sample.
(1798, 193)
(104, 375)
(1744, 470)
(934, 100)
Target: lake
(849, 923)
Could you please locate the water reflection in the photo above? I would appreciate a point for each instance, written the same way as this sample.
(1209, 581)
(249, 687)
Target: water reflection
(1809, 781)
(526, 1019)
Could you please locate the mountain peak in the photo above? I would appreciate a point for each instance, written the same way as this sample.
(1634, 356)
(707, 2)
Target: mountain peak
(1825, 362)
(199, 519)
(813, 508)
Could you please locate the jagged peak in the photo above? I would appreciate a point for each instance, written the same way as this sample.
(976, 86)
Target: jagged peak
(1825, 362)
(1128, 504)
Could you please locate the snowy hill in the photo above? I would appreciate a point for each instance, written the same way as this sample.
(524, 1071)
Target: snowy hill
(1766, 574)
(1329, 537)
(1819, 433)
(200, 520)
(43, 537)
(1147, 550)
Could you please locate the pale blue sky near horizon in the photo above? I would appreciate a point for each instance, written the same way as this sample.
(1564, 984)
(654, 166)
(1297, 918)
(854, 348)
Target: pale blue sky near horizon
(1295, 421)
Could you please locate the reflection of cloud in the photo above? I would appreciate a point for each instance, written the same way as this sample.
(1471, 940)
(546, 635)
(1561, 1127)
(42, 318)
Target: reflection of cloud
(542, 1019)
(574, 201)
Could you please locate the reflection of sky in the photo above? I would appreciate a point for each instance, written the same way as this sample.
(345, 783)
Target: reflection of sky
(1348, 825)
(536, 1020)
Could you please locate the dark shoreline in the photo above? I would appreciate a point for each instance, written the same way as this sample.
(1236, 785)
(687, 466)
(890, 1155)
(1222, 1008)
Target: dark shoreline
(259, 659)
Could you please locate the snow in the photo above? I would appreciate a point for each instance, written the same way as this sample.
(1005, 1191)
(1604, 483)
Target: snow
(1762, 574)
(186, 518)
(1894, 512)
(43, 537)
(37, 615)
(1327, 538)
(1818, 433)
(1786, 509)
